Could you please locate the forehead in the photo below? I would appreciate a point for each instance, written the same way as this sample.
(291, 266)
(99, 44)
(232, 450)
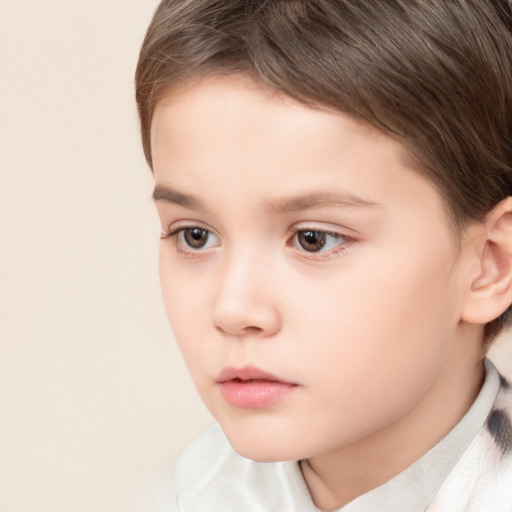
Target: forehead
(250, 105)
(234, 115)
(232, 138)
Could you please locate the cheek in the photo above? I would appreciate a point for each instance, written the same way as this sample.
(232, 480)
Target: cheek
(380, 325)
(367, 361)
(184, 306)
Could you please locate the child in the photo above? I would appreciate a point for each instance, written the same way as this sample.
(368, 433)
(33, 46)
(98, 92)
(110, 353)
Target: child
(334, 182)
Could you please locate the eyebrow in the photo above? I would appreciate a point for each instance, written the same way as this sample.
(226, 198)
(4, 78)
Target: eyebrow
(276, 207)
(168, 195)
(319, 200)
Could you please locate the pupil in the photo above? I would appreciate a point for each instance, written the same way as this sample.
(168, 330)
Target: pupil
(197, 234)
(196, 237)
(311, 240)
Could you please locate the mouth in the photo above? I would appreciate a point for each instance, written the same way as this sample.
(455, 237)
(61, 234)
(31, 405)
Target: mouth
(252, 388)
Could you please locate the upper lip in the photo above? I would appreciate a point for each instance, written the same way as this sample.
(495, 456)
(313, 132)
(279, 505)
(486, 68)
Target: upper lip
(246, 373)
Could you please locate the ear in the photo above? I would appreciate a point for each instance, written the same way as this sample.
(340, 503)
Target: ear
(491, 290)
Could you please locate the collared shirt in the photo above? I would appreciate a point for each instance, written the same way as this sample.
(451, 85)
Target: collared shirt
(474, 458)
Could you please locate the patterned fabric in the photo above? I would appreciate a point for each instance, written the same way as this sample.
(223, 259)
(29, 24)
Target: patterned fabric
(482, 479)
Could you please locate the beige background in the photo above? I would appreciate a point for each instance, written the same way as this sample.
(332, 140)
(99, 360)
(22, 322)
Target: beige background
(94, 399)
(95, 402)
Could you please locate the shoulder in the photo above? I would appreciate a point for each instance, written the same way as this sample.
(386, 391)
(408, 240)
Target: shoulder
(482, 480)
(211, 476)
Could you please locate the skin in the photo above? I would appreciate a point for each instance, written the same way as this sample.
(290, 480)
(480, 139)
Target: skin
(369, 327)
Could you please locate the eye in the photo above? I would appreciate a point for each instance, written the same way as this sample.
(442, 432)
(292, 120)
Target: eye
(193, 238)
(313, 240)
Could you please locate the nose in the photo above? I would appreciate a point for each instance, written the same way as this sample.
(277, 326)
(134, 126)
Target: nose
(245, 302)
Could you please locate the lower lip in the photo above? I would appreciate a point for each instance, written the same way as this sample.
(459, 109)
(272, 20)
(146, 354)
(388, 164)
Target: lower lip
(254, 394)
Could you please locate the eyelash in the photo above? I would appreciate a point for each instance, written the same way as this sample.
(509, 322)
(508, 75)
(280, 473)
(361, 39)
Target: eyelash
(345, 241)
(174, 231)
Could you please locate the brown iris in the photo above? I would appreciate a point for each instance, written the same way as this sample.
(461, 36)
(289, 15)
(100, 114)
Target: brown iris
(311, 241)
(195, 237)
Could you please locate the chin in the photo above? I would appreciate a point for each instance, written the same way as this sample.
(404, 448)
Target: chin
(264, 447)
(262, 452)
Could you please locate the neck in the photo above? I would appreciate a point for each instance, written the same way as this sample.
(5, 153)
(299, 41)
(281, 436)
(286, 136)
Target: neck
(336, 478)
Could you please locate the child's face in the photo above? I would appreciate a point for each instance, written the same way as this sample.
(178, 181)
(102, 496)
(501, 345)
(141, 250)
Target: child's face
(307, 249)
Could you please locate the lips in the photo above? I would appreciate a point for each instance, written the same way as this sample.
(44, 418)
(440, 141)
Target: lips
(252, 388)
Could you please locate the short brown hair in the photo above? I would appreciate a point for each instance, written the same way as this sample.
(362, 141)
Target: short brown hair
(434, 74)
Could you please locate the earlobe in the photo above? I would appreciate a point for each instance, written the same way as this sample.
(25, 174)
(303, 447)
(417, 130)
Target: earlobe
(491, 290)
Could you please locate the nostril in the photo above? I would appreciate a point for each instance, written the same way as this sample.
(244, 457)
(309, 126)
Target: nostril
(239, 331)
(252, 330)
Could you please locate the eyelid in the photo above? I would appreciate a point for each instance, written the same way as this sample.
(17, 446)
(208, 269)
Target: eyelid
(178, 226)
(326, 227)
